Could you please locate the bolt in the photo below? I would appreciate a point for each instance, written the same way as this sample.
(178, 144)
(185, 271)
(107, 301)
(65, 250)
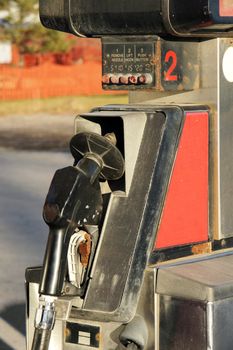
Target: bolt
(111, 137)
(133, 79)
(67, 289)
(106, 79)
(114, 79)
(124, 79)
(145, 79)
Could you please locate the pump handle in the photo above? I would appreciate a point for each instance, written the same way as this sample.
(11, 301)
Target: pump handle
(87, 144)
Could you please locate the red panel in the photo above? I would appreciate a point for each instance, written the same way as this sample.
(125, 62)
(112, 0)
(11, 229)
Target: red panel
(185, 215)
(225, 8)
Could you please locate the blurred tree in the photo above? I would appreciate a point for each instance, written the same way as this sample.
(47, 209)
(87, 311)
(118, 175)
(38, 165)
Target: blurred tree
(3, 4)
(24, 29)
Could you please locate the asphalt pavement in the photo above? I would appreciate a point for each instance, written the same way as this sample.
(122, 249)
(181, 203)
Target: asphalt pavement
(31, 149)
(36, 132)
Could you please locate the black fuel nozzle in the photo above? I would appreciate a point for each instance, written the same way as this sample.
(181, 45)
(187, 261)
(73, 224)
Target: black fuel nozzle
(74, 200)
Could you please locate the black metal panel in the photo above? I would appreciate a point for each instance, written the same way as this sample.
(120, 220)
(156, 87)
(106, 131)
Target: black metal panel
(154, 17)
(129, 62)
(106, 17)
(197, 17)
(33, 274)
(148, 62)
(54, 14)
(171, 253)
(183, 324)
(183, 13)
(82, 334)
(102, 17)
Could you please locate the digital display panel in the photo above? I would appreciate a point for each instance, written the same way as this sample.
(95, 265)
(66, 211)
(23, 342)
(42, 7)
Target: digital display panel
(226, 8)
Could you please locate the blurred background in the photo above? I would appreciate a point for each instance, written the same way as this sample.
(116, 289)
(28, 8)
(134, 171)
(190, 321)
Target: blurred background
(46, 79)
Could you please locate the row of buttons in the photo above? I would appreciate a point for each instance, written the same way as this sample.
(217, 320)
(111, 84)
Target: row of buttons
(127, 79)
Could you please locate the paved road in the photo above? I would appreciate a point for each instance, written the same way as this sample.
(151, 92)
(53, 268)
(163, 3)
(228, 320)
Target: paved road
(27, 162)
(36, 132)
(24, 180)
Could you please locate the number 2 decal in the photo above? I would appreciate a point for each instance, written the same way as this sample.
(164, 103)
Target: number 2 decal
(171, 57)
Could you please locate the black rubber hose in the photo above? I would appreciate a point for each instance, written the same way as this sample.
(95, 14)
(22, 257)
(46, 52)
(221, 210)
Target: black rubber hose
(41, 339)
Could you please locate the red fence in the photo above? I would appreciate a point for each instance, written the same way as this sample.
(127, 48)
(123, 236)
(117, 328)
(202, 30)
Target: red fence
(49, 80)
(39, 76)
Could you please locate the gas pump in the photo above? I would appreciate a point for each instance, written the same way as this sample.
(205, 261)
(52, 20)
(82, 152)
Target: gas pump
(140, 246)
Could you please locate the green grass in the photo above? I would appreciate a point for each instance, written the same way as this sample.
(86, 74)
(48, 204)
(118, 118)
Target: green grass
(59, 105)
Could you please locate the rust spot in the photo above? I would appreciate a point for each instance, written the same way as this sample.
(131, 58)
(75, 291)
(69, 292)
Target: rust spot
(202, 248)
(84, 250)
(67, 332)
(158, 65)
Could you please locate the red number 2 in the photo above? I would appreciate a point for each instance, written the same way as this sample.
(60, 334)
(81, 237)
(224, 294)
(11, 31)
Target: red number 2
(168, 75)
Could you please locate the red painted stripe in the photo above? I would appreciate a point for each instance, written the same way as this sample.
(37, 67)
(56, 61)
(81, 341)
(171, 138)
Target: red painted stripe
(225, 8)
(185, 215)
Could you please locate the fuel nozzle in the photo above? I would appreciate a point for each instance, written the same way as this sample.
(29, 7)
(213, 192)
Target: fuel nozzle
(73, 201)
